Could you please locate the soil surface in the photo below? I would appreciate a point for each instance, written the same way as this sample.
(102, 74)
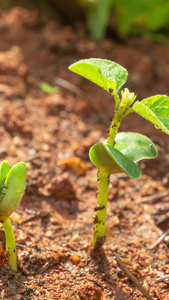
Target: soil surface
(53, 133)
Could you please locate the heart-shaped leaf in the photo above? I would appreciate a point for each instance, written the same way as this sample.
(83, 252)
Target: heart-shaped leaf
(105, 73)
(109, 161)
(135, 146)
(13, 190)
(156, 110)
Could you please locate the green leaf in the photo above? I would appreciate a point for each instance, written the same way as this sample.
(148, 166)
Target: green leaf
(109, 161)
(156, 110)
(105, 73)
(48, 89)
(13, 190)
(135, 146)
(141, 15)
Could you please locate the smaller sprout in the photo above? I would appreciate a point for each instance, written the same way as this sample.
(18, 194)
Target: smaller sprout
(12, 188)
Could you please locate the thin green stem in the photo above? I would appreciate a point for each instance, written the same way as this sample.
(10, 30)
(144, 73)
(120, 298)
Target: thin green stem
(122, 109)
(117, 101)
(101, 208)
(113, 130)
(10, 244)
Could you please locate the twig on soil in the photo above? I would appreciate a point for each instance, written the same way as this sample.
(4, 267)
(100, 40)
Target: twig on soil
(162, 211)
(163, 279)
(159, 239)
(69, 86)
(153, 198)
(132, 277)
(70, 231)
(41, 215)
(26, 246)
(77, 91)
(30, 159)
(27, 231)
(46, 266)
(163, 223)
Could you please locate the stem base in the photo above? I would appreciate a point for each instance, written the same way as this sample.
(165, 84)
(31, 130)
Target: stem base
(101, 208)
(10, 244)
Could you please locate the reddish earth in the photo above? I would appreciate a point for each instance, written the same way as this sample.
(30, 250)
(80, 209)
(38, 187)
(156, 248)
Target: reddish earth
(53, 134)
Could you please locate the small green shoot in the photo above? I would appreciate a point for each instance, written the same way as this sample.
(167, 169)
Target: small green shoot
(12, 187)
(98, 14)
(120, 152)
(48, 88)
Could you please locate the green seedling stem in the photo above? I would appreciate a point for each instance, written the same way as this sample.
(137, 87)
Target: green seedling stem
(101, 208)
(121, 110)
(121, 151)
(12, 188)
(10, 244)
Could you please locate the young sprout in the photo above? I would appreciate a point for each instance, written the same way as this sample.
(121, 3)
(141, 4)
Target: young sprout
(48, 88)
(121, 151)
(12, 187)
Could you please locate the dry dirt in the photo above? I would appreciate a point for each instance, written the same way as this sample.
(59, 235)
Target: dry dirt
(53, 134)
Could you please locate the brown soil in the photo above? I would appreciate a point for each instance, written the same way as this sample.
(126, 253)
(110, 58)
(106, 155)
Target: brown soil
(52, 134)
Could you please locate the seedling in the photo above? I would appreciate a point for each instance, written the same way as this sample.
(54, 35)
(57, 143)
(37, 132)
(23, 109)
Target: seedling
(48, 89)
(98, 14)
(12, 187)
(121, 151)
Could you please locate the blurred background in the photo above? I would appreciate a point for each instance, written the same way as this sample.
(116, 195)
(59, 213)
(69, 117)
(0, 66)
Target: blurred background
(121, 18)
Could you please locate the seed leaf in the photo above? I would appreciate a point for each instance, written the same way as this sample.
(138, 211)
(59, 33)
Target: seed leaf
(135, 146)
(105, 73)
(156, 110)
(109, 161)
(13, 190)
